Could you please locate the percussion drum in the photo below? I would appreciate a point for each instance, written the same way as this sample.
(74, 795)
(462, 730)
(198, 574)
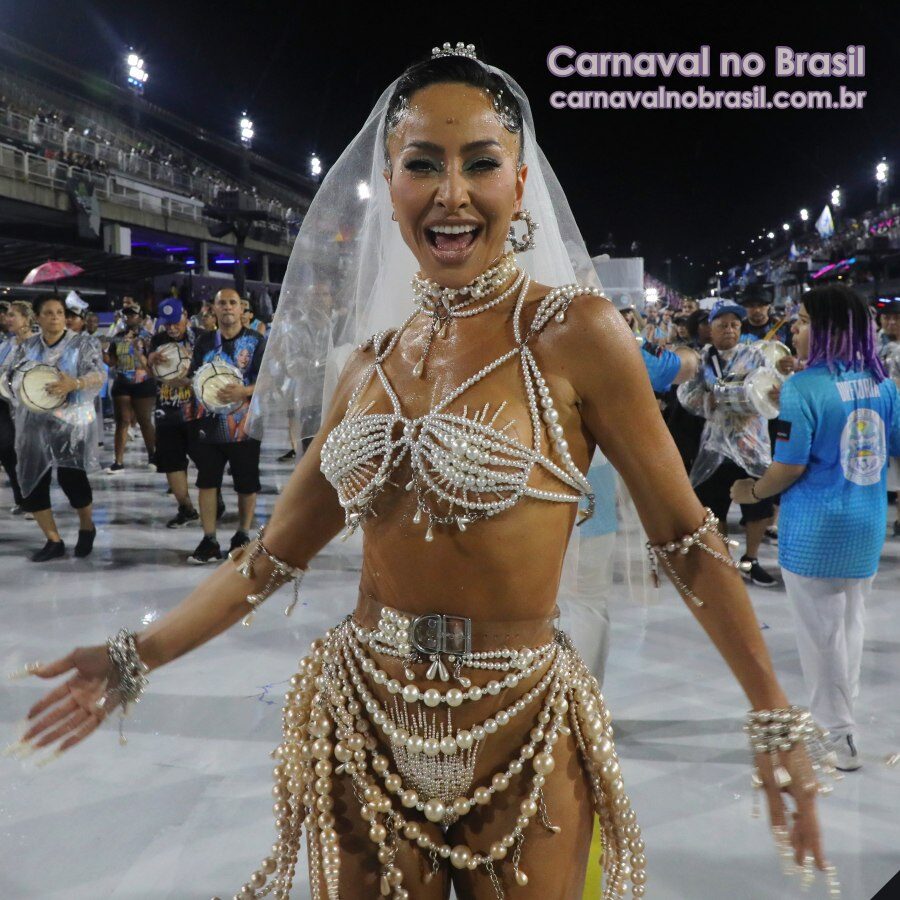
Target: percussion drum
(209, 379)
(6, 387)
(774, 351)
(30, 380)
(749, 395)
(175, 363)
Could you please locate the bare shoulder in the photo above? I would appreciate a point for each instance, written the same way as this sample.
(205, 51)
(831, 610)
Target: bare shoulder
(587, 334)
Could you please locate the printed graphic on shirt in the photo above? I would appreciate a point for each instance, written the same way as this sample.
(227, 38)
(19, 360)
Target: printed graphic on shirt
(863, 447)
(782, 430)
(126, 351)
(173, 403)
(243, 351)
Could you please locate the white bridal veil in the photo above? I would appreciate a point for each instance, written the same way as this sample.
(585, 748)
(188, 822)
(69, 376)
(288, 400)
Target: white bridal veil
(349, 276)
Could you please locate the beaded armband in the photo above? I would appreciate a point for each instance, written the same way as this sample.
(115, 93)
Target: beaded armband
(661, 553)
(281, 573)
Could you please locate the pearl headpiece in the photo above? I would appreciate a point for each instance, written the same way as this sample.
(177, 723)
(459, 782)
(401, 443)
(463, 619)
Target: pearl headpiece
(461, 49)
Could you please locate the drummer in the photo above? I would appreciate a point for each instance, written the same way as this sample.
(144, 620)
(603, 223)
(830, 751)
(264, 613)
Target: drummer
(733, 445)
(18, 321)
(175, 410)
(65, 438)
(221, 438)
(134, 388)
(762, 324)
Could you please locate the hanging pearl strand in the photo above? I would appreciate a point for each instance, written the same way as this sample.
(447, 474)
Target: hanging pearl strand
(460, 856)
(321, 709)
(454, 696)
(446, 812)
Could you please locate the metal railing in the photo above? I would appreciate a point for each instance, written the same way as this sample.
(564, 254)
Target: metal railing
(55, 174)
(60, 139)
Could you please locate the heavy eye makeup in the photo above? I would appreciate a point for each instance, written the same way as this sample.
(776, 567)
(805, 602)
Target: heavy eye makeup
(481, 164)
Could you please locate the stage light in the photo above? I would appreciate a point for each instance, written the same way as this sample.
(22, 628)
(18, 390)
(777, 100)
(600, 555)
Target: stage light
(804, 215)
(882, 170)
(836, 197)
(786, 227)
(363, 191)
(136, 74)
(315, 166)
(245, 129)
(770, 235)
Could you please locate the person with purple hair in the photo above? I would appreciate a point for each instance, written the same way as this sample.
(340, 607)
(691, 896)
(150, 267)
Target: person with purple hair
(839, 422)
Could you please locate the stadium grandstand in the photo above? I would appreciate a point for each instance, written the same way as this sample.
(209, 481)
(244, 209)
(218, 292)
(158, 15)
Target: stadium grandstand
(93, 174)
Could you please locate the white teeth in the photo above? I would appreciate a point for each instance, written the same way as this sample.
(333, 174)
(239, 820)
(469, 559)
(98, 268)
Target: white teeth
(452, 229)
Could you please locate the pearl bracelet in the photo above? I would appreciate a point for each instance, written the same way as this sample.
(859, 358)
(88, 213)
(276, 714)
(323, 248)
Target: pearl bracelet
(281, 572)
(683, 546)
(131, 674)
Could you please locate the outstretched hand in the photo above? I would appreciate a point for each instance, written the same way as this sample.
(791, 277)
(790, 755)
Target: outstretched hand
(76, 708)
(795, 830)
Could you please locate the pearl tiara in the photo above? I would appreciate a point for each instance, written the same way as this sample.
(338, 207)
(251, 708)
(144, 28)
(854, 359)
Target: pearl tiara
(461, 49)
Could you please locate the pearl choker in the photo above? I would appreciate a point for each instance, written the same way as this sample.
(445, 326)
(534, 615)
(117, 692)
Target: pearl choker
(443, 303)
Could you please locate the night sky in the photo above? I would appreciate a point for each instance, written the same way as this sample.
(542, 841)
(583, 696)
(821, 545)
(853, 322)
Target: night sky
(691, 186)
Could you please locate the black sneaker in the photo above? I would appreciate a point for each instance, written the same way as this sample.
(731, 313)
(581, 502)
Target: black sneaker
(50, 550)
(287, 457)
(185, 515)
(17, 510)
(207, 551)
(85, 542)
(238, 540)
(220, 507)
(772, 533)
(151, 461)
(114, 469)
(757, 574)
(897, 528)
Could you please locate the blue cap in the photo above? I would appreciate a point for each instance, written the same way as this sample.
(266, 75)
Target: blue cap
(722, 307)
(170, 312)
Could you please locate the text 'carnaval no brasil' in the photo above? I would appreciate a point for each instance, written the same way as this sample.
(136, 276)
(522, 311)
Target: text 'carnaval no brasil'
(564, 61)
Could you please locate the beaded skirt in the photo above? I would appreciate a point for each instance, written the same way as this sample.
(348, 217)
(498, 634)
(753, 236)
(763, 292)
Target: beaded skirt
(345, 716)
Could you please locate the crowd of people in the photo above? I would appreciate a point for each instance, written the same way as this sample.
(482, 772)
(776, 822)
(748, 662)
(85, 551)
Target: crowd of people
(767, 416)
(81, 142)
(132, 363)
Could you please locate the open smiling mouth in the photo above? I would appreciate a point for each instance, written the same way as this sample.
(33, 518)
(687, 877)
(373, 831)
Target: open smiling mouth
(452, 241)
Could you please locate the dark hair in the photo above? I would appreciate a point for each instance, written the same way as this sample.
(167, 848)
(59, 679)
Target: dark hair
(695, 320)
(453, 70)
(39, 303)
(842, 329)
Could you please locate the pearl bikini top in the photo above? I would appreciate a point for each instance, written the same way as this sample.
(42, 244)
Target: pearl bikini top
(463, 467)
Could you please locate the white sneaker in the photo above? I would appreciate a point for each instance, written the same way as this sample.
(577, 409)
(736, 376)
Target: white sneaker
(845, 750)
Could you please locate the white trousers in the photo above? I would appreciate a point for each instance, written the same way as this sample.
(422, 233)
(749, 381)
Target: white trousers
(829, 617)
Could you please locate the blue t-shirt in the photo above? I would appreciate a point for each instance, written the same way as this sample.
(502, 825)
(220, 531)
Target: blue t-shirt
(842, 426)
(662, 367)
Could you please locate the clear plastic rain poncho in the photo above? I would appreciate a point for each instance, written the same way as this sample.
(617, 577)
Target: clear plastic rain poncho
(67, 436)
(742, 438)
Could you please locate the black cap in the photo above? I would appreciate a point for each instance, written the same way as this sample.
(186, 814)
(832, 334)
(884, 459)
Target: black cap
(755, 295)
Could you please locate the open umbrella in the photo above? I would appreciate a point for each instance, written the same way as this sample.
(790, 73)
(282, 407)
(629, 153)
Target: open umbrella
(52, 270)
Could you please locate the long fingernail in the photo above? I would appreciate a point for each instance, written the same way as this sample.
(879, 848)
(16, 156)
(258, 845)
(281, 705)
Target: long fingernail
(19, 750)
(27, 750)
(55, 755)
(24, 672)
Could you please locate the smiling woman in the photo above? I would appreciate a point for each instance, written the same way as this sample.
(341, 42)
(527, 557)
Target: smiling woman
(448, 733)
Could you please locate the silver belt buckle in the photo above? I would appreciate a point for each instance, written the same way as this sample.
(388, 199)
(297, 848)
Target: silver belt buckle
(435, 633)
